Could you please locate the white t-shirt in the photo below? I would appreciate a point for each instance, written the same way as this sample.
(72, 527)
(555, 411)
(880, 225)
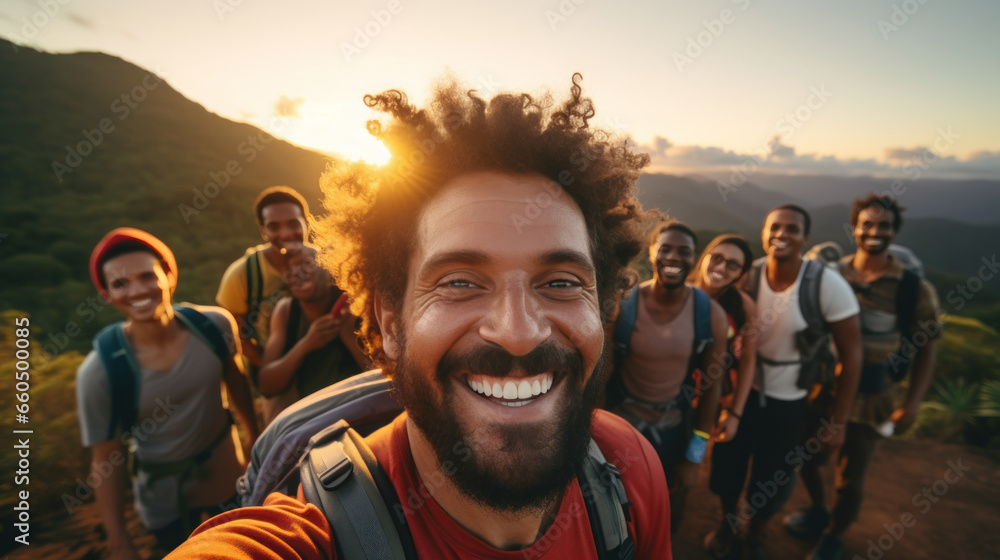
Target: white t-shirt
(780, 317)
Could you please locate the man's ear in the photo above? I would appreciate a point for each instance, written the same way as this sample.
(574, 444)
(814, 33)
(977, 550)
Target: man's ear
(387, 325)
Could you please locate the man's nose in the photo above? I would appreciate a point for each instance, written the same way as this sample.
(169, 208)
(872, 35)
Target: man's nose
(516, 322)
(137, 287)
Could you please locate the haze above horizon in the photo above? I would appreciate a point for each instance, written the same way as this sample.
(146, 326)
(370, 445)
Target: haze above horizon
(849, 88)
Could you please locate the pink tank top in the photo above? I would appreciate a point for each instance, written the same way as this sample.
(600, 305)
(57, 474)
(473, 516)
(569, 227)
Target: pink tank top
(658, 355)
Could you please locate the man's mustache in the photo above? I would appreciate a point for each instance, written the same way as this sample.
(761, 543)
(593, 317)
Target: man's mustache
(494, 361)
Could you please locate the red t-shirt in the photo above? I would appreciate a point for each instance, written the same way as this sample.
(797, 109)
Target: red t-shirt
(287, 528)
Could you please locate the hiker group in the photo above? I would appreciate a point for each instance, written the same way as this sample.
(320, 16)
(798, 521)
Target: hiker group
(527, 397)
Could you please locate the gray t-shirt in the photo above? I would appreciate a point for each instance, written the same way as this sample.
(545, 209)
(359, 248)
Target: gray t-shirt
(180, 415)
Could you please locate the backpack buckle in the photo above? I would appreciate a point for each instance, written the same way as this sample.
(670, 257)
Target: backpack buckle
(332, 477)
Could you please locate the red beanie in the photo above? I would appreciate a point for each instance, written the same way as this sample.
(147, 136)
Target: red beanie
(123, 234)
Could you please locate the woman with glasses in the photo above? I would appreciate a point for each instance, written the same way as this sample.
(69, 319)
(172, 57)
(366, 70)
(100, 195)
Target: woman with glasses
(718, 272)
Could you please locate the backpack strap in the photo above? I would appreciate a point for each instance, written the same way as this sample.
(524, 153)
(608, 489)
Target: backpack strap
(338, 477)
(809, 302)
(703, 338)
(752, 283)
(341, 476)
(626, 324)
(122, 371)
(627, 314)
(907, 293)
(292, 326)
(255, 290)
(702, 344)
(201, 326)
(607, 505)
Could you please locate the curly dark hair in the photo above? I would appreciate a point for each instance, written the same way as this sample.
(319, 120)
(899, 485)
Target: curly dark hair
(806, 219)
(275, 195)
(667, 225)
(884, 202)
(368, 235)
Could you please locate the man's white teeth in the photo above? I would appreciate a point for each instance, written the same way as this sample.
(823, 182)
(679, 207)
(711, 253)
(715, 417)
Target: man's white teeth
(780, 244)
(873, 242)
(142, 302)
(511, 389)
(672, 269)
(718, 276)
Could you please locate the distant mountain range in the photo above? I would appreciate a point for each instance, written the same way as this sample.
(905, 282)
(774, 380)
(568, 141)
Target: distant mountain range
(89, 142)
(949, 244)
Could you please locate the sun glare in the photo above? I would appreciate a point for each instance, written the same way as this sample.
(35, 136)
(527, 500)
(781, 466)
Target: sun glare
(335, 131)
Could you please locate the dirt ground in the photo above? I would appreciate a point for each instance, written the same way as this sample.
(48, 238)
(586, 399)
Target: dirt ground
(964, 522)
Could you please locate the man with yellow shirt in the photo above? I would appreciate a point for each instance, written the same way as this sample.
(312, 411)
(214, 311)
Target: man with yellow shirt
(253, 284)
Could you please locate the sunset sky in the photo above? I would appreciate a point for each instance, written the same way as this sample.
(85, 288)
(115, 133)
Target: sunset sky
(847, 88)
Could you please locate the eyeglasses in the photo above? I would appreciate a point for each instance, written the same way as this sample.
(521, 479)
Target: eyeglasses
(715, 259)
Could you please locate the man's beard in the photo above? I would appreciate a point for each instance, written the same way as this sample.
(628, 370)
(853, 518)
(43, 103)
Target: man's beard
(511, 469)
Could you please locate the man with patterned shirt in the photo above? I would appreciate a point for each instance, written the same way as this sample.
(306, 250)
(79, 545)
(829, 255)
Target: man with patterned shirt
(899, 323)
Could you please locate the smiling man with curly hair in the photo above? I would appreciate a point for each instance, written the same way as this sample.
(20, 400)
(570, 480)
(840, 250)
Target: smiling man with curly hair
(484, 262)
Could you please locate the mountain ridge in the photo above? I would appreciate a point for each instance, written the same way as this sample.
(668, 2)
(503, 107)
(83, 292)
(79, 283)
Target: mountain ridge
(89, 142)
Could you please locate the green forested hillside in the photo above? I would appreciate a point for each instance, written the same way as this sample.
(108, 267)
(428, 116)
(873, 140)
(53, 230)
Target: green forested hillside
(149, 151)
(89, 142)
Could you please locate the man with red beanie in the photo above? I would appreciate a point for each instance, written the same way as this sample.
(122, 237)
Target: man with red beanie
(155, 379)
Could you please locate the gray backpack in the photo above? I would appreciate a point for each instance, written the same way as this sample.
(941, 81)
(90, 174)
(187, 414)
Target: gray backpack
(816, 357)
(312, 443)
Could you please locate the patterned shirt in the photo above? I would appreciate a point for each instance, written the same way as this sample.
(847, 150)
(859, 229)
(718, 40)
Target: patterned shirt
(880, 337)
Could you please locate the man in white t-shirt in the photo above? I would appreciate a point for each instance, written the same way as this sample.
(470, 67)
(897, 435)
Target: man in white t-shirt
(776, 419)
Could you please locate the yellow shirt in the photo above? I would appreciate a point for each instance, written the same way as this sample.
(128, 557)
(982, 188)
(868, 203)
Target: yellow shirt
(233, 292)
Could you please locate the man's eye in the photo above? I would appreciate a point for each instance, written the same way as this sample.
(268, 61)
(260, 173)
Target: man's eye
(457, 284)
(563, 283)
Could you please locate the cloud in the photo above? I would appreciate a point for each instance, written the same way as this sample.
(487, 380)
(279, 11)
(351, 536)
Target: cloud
(81, 21)
(661, 144)
(776, 157)
(287, 107)
(904, 154)
(779, 150)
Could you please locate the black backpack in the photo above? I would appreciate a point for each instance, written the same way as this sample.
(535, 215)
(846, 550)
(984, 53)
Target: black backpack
(907, 295)
(312, 443)
(874, 376)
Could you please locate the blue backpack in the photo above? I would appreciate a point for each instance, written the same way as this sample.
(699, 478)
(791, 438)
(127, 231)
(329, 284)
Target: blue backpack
(122, 369)
(703, 340)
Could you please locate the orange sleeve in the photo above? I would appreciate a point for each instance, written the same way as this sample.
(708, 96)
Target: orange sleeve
(282, 528)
